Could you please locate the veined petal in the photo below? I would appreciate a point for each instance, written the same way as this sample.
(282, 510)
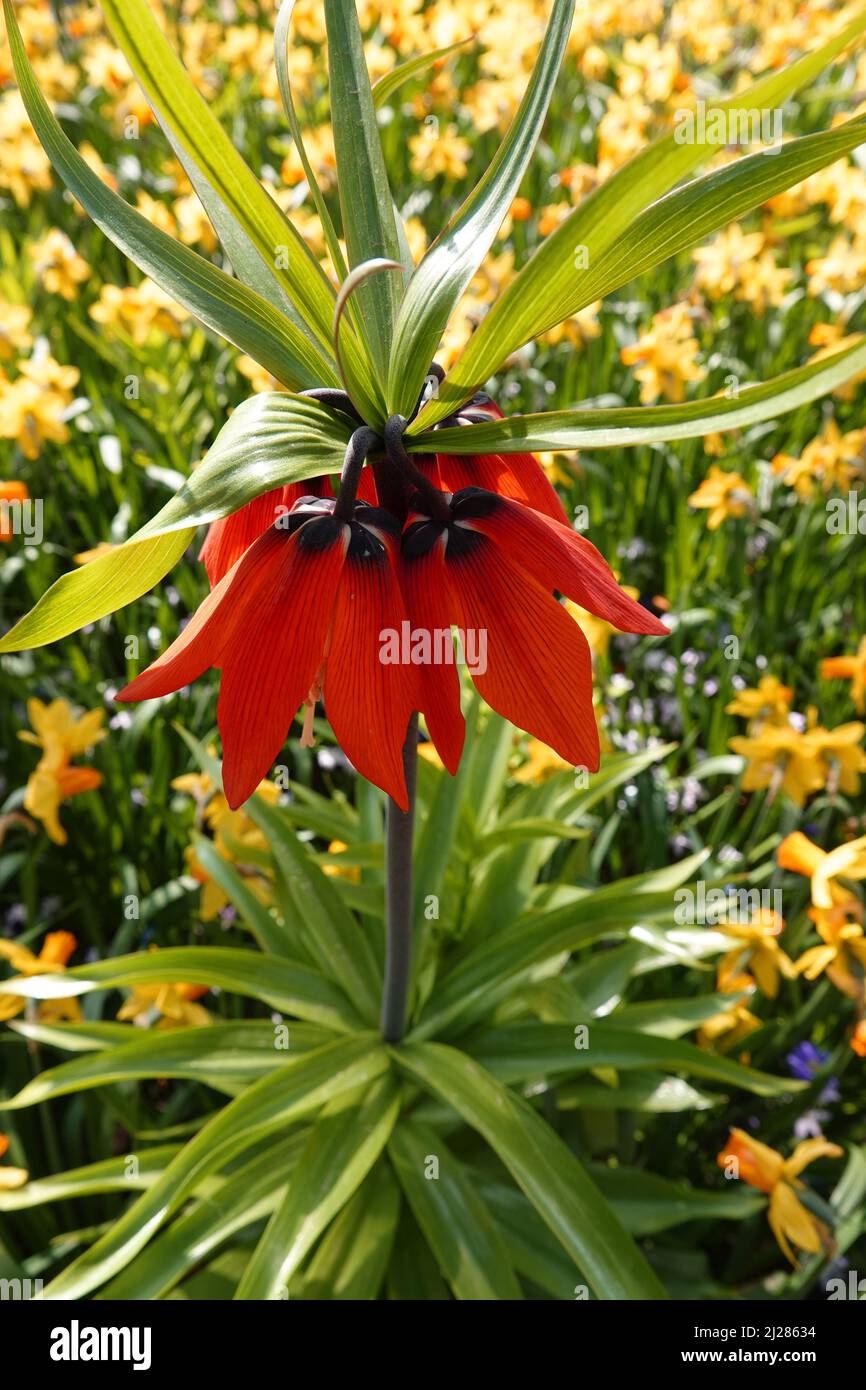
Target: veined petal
(518, 476)
(539, 669)
(425, 584)
(559, 558)
(228, 539)
(277, 644)
(369, 701)
(192, 653)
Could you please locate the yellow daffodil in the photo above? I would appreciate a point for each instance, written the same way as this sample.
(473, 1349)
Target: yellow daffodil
(765, 1168)
(59, 267)
(830, 460)
(61, 735)
(666, 357)
(236, 838)
(724, 495)
(14, 326)
(10, 1177)
(141, 312)
(725, 1030)
(801, 762)
(57, 947)
(720, 264)
(165, 1006)
(769, 702)
(540, 763)
(851, 668)
(798, 853)
(351, 872)
(837, 911)
(758, 950)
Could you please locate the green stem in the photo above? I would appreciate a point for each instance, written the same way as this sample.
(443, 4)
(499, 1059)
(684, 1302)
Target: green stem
(398, 899)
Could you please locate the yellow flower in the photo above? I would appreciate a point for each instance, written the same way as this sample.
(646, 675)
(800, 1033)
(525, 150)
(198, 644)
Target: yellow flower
(732, 1024)
(720, 264)
(258, 376)
(667, 355)
(59, 732)
(724, 495)
(766, 1169)
(831, 459)
(852, 668)
(236, 838)
(802, 856)
(165, 1006)
(57, 947)
(14, 323)
(61, 736)
(759, 951)
(841, 270)
(32, 407)
(540, 763)
(767, 703)
(10, 1177)
(25, 168)
(139, 311)
(780, 757)
(351, 872)
(59, 267)
(837, 911)
(436, 151)
(596, 631)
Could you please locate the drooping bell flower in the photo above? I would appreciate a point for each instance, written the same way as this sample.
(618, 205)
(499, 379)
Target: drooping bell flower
(299, 617)
(490, 564)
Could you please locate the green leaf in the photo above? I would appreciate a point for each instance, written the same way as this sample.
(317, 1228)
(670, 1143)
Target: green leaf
(290, 988)
(626, 426)
(270, 1105)
(455, 1222)
(235, 1204)
(646, 1091)
(272, 438)
(351, 1259)
(342, 1148)
(110, 1175)
(647, 1204)
(267, 928)
(282, 34)
(214, 1054)
(541, 1165)
(219, 301)
(369, 225)
(87, 594)
(194, 125)
(487, 971)
(685, 217)
(526, 1051)
(452, 260)
(331, 933)
(533, 1250)
(384, 89)
(541, 295)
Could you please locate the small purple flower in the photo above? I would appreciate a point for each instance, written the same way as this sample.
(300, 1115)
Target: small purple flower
(805, 1059)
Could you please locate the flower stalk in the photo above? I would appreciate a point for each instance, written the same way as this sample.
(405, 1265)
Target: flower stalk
(398, 899)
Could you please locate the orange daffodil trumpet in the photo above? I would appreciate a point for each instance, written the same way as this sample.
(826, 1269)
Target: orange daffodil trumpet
(300, 604)
(836, 911)
(792, 1223)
